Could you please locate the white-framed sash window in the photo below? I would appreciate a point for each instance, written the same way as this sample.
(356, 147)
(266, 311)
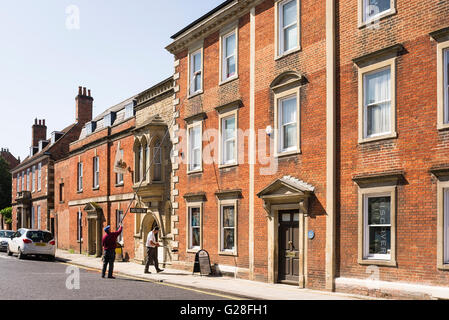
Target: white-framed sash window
(96, 167)
(80, 177)
(229, 139)
(196, 70)
(288, 26)
(288, 124)
(229, 55)
(377, 226)
(374, 9)
(195, 147)
(39, 176)
(377, 102)
(79, 226)
(39, 217)
(446, 85)
(32, 217)
(194, 227)
(228, 228)
(28, 180)
(33, 187)
(446, 225)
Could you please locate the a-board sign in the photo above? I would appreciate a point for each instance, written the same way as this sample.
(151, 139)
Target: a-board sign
(138, 210)
(202, 263)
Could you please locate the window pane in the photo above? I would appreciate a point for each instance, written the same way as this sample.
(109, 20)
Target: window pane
(446, 86)
(374, 7)
(228, 216)
(229, 150)
(378, 119)
(195, 237)
(195, 217)
(288, 110)
(286, 217)
(197, 62)
(230, 45)
(196, 138)
(289, 136)
(289, 12)
(377, 87)
(377, 95)
(228, 239)
(379, 210)
(229, 128)
(379, 240)
(290, 38)
(230, 66)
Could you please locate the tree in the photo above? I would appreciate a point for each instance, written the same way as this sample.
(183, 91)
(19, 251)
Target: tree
(5, 184)
(6, 216)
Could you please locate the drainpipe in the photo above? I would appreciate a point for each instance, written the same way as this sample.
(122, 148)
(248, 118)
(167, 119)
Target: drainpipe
(330, 144)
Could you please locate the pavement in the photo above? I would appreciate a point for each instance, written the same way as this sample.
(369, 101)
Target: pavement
(37, 279)
(225, 287)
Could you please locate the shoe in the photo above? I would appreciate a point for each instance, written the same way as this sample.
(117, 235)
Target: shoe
(159, 270)
(146, 271)
(102, 275)
(111, 277)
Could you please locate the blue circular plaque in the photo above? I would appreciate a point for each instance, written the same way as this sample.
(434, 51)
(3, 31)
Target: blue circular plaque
(311, 234)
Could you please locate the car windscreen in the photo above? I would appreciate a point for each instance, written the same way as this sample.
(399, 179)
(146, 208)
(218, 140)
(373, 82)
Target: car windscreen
(38, 236)
(6, 234)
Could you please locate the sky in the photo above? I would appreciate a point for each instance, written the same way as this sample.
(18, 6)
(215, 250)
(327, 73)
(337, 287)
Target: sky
(50, 47)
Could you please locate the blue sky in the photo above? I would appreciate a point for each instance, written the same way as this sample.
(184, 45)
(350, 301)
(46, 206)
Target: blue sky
(117, 51)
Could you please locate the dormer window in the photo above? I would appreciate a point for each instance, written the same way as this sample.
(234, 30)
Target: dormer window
(43, 144)
(90, 127)
(109, 119)
(129, 111)
(55, 136)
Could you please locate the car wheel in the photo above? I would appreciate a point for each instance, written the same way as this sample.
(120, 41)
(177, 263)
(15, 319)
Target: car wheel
(51, 258)
(20, 255)
(8, 252)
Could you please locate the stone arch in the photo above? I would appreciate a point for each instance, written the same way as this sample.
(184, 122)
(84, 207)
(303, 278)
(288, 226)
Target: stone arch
(287, 79)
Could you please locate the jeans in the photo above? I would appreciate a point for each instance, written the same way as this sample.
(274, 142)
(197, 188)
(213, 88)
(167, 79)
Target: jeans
(152, 258)
(108, 258)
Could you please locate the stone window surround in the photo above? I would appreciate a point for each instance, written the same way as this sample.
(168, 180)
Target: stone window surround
(222, 114)
(361, 113)
(193, 124)
(189, 206)
(361, 19)
(441, 47)
(280, 95)
(199, 46)
(228, 30)
(227, 198)
(277, 54)
(381, 190)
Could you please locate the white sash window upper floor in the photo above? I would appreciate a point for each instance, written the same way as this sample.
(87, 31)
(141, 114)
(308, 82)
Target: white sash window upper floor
(229, 54)
(371, 11)
(288, 26)
(195, 147)
(195, 83)
(446, 84)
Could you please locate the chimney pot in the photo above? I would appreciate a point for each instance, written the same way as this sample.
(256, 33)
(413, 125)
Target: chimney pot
(35, 121)
(43, 122)
(88, 92)
(84, 91)
(79, 90)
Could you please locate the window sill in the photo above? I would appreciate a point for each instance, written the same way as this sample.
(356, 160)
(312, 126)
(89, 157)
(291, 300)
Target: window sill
(227, 253)
(222, 82)
(193, 250)
(119, 185)
(372, 22)
(195, 94)
(443, 126)
(287, 153)
(79, 191)
(195, 171)
(444, 266)
(77, 241)
(386, 263)
(226, 166)
(61, 202)
(285, 54)
(96, 188)
(393, 135)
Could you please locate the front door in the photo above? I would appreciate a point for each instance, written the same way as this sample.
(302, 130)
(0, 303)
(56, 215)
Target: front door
(289, 246)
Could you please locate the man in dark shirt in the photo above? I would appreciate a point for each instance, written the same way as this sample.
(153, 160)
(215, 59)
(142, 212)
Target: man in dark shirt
(109, 244)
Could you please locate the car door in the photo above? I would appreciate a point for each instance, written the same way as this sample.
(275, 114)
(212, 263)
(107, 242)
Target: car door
(15, 241)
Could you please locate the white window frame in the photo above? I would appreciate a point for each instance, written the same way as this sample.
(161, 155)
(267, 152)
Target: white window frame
(34, 179)
(190, 78)
(28, 180)
(222, 204)
(363, 236)
(377, 67)
(443, 225)
(18, 183)
(39, 176)
(189, 151)
(443, 85)
(225, 34)
(363, 20)
(119, 177)
(118, 218)
(278, 134)
(80, 177)
(222, 150)
(32, 217)
(446, 226)
(279, 30)
(38, 217)
(23, 181)
(96, 172)
(189, 246)
(79, 223)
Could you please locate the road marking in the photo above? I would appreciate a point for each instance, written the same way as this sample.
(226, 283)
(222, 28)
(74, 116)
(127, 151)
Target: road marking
(157, 282)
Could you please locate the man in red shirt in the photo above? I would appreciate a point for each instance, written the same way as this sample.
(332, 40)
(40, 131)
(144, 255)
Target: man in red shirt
(109, 244)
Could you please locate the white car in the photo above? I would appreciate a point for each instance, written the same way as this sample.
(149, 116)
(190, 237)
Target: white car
(5, 235)
(34, 242)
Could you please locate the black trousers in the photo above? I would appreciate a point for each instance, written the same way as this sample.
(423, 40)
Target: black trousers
(108, 258)
(151, 258)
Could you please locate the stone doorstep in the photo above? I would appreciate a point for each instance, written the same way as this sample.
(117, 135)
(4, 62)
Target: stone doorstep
(219, 285)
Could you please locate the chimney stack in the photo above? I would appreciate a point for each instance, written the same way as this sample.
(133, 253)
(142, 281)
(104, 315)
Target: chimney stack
(84, 105)
(39, 132)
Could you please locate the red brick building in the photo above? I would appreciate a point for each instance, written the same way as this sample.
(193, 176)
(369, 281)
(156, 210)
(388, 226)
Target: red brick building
(33, 179)
(325, 94)
(90, 194)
